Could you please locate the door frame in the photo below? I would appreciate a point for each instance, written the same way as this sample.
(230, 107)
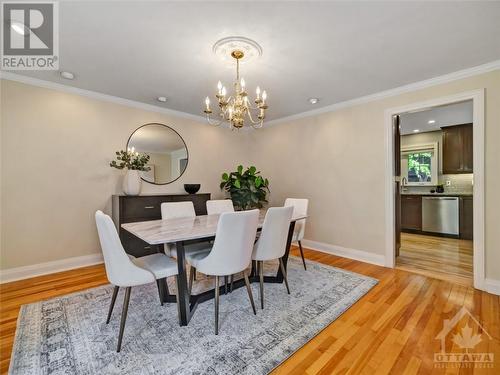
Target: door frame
(477, 96)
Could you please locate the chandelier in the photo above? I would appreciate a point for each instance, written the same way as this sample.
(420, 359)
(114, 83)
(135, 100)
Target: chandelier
(237, 108)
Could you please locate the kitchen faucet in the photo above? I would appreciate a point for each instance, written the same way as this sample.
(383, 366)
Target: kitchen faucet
(404, 181)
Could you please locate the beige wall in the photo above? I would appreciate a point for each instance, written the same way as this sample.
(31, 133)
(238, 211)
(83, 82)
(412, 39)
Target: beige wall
(337, 159)
(55, 152)
(56, 148)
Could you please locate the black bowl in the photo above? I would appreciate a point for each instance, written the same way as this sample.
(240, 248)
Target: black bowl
(192, 188)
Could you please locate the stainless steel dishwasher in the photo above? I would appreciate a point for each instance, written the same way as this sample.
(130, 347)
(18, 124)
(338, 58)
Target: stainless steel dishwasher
(440, 215)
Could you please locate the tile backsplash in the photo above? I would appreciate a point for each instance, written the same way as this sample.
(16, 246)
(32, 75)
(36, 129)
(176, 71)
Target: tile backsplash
(460, 183)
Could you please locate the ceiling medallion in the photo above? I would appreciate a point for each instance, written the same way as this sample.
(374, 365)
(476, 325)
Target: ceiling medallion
(236, 108)
(250, 48)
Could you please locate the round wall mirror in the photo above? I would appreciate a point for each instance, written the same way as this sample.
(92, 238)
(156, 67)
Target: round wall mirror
(167, 151)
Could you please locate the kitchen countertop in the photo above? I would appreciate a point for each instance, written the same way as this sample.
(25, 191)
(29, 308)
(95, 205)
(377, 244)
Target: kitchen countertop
(445, 194)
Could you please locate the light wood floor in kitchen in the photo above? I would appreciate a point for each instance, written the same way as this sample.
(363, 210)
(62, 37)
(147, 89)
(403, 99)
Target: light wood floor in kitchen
(438, 257)
(391, 329)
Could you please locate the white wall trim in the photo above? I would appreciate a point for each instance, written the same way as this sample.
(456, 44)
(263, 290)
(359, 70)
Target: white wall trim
(345, 252)
(26, 272)
(492, 286)
(99, 96)
(478, 134)
(461, 74)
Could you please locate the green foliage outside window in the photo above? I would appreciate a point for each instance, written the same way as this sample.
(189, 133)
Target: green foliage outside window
(419, 167)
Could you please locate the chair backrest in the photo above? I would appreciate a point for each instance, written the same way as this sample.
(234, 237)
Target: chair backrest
(215, 207)
(272, 240)
(119, 268)
(234, 239)
(174, 210)
(299, 208)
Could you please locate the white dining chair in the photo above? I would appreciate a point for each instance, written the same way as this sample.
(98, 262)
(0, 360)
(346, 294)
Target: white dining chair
(272, 243)
(231, 252)
(299, 208)
(218, 206)
(179, 210)
(123, 270)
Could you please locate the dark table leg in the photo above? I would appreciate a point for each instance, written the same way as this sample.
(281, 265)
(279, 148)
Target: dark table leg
(187, 305)
(182, 286)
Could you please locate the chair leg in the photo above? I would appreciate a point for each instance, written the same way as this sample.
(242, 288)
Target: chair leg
(261, 277)
(231, 284)
(249, 291)
(192, 273)
(158, 283)
(225, 284)
(282, 266)
(302, 255)
(216, 305)
(124, 317)
(112, 305)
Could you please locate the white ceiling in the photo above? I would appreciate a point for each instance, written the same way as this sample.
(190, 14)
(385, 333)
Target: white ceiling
(335, 51)
(446, 115)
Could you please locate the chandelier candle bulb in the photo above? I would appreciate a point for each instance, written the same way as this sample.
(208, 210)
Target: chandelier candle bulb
(236, 109)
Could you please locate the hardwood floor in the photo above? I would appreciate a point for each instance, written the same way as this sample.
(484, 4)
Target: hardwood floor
(438, 257)
(392, 329)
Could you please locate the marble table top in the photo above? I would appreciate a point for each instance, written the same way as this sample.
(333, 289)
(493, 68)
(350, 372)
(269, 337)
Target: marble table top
(156, 232)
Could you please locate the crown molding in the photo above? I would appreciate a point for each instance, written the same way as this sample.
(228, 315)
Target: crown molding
(99, 96)
(461, 74)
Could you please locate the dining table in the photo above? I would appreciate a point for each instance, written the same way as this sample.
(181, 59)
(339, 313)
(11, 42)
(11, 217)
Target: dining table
(182, 231)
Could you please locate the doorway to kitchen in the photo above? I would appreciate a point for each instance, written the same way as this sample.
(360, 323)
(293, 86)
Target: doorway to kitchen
(435, 203)
(436, 192)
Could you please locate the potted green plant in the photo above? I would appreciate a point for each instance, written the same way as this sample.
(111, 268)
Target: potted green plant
(134, 162)
(248, 189)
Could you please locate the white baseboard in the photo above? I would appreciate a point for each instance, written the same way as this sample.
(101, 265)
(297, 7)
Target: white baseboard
(20, 273)
(492, 286)
(345, 252)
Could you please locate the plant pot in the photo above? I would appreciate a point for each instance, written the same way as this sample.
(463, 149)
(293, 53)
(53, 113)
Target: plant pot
(132, 182)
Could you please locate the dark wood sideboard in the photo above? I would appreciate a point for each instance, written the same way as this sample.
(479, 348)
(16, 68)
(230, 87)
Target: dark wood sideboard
(128, 209)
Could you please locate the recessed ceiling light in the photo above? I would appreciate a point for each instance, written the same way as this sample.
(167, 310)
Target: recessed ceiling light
(416, 130)
(313, 100)
(431, 121)
(67, 75)
(162, 99)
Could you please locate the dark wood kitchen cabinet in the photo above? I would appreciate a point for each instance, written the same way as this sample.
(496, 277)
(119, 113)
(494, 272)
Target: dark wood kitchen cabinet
(466, 218)
(457, 149)
(129, 209)
(411, 212)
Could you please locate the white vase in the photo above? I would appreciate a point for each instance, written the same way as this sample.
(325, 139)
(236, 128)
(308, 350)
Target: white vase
(132, 182)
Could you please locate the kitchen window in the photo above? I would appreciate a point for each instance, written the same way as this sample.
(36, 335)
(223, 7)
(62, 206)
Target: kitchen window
(419, 164)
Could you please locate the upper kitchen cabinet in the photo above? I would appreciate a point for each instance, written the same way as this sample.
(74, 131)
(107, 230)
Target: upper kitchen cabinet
(457, 149)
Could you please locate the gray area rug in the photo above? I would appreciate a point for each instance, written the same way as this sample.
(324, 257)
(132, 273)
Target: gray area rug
(68, 335)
